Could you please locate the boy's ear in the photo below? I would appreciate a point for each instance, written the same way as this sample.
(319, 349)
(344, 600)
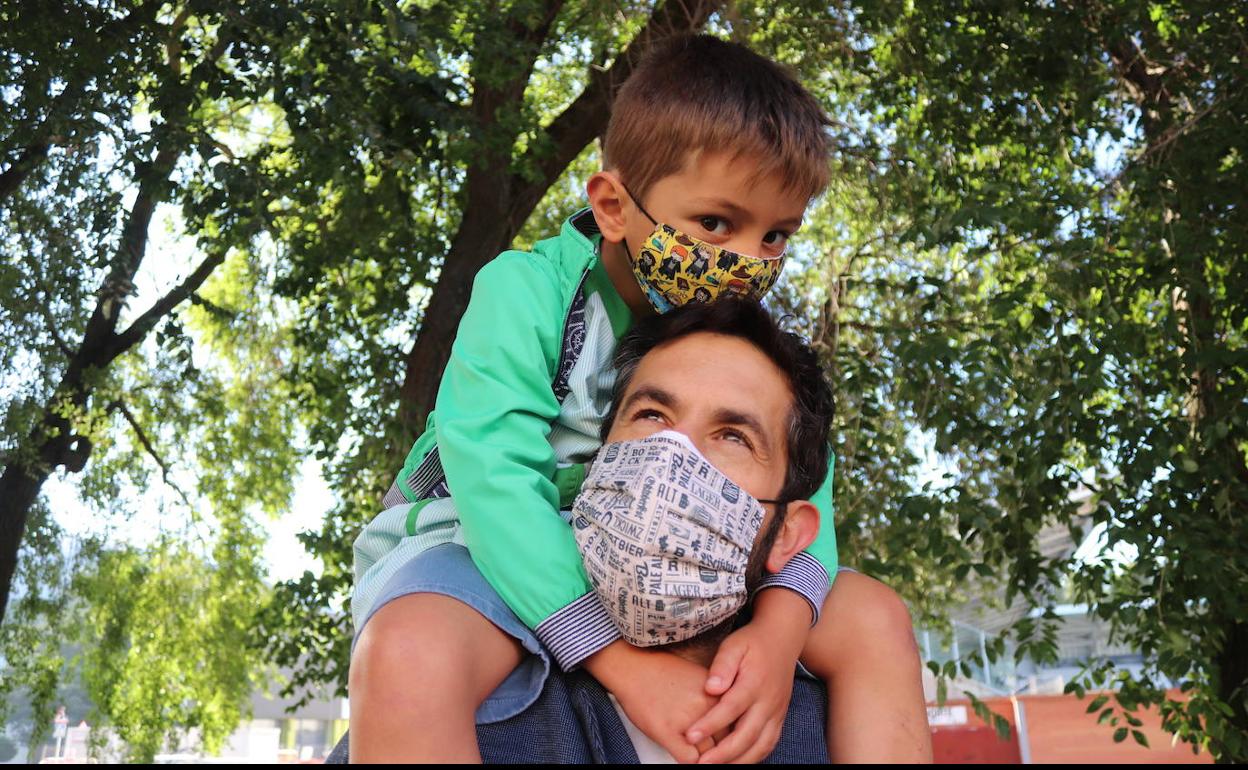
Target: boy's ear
(801, 524)
(608, 200)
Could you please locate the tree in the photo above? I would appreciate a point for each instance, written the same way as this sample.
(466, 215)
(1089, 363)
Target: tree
(1053, 283)
(113, 115)
(135, 647)
(1031, 261)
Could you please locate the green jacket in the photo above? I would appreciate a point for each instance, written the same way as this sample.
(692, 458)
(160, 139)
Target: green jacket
(515, 416)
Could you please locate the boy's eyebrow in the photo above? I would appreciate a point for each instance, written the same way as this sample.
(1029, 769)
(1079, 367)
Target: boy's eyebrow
(742, 213)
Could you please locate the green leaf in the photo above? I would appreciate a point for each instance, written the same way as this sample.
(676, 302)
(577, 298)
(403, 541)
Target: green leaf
(1120, 735)
(1097, 702)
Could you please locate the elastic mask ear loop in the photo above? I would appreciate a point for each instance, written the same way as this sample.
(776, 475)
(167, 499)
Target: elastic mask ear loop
(637, 202)
(642, 209)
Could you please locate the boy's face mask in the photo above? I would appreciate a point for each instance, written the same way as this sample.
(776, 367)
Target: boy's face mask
(674, 269)
(665, 538)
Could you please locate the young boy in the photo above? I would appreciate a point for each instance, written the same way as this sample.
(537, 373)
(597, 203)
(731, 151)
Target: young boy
(711, 157)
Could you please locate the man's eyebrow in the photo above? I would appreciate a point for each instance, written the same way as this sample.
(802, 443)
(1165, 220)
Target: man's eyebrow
(746, 420)
(652, 393)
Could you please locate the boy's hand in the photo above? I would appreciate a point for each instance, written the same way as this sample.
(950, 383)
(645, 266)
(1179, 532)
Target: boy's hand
(661, 693)
(753, 671)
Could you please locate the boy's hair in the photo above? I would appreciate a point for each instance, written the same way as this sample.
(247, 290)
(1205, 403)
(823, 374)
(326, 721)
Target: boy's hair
(698, 92)
(810, 418)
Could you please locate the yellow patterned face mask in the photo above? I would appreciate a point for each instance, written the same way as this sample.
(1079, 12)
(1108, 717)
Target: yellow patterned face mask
(675, 269)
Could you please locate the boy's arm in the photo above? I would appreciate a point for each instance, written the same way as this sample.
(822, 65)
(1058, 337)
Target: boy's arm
(495, 408)
(811, 572)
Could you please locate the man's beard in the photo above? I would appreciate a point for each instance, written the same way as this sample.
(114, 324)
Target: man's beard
(705, 644)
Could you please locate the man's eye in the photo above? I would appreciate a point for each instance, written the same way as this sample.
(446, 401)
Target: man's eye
(648, 414)
(737, 437)
(714, 225)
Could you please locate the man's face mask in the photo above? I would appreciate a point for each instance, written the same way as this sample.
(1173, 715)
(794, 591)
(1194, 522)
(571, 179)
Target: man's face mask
(675, 269)
(665, 538)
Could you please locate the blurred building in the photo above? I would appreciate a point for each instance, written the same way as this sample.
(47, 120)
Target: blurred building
(1046, 725)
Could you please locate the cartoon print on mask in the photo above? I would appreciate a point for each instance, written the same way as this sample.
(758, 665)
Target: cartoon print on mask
(646, 264)
(691, 270)
(701, 261)
(670, 266)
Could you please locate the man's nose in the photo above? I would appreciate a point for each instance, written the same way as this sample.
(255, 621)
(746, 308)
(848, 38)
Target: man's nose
(689, 432)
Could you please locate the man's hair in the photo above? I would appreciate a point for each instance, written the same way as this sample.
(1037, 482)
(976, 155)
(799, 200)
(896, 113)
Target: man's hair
(810, 417)
(698, 92)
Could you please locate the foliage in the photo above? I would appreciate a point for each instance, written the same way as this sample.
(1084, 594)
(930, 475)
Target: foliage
(173, 664)
(116, 113)
(1070, 180)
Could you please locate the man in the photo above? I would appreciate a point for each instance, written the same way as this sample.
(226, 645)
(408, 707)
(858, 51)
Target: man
(720, 384)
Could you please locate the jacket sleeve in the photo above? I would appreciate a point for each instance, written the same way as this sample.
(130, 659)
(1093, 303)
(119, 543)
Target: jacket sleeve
(812, 571)
(495, 407)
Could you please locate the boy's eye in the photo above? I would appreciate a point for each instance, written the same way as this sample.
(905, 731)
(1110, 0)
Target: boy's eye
(776, 239)
(714, 225)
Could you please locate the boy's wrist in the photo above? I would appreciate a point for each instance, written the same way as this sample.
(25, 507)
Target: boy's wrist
(613, 665)
(785, 614)
(805, 576)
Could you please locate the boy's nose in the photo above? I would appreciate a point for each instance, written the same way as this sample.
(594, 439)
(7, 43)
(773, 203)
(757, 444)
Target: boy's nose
(751, 245)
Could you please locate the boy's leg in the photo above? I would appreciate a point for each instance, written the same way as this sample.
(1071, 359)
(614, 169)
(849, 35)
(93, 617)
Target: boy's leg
(420, 668)
(863, 649)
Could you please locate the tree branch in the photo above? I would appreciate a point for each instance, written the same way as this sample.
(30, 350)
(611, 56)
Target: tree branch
(14, 175)
(144, 323)
(41, 137)
(99, 343)
(151, 450)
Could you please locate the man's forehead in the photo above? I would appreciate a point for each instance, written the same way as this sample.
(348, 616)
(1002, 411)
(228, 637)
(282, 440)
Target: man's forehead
(720, 372)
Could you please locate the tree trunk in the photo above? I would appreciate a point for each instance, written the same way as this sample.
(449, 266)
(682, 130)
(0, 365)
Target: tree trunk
(498, 203)
(14, 175)
(19, 488)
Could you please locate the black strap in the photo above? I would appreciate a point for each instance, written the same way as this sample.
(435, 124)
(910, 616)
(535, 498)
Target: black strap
(429, 478)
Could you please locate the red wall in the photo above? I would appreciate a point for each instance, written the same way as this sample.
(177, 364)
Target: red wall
(1059, 730)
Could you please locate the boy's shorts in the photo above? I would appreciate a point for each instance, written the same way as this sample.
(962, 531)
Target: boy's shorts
(448, 570)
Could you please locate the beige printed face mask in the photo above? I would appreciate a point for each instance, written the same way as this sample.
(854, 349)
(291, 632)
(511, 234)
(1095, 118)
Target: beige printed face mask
(665, 538)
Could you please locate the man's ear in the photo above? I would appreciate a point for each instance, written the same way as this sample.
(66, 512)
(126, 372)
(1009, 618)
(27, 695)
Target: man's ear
(801, 524)
(608, 199)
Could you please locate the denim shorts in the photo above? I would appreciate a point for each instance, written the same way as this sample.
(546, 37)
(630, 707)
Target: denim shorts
(448, 570)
